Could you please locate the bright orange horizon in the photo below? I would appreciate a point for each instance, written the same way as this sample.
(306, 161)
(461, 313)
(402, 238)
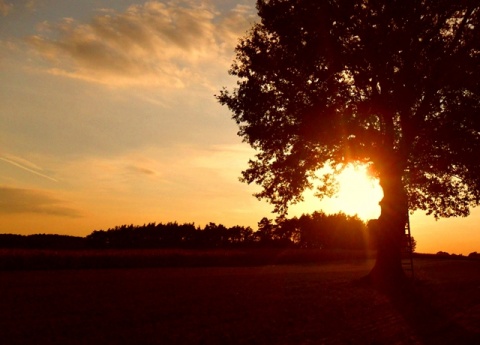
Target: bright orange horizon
(103, 126)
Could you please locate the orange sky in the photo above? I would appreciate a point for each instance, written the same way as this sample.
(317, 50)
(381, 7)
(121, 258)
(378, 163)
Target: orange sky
(107, 117)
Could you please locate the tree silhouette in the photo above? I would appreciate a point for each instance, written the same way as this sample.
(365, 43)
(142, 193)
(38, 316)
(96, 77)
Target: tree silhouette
(394, 84)
(266, 231)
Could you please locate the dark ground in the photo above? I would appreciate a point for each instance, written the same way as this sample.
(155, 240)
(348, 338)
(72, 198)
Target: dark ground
(283, 304)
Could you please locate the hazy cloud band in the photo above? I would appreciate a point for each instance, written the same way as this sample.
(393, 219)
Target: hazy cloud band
(17, 200)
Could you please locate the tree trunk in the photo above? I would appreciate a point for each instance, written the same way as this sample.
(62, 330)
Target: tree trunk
(391, 230)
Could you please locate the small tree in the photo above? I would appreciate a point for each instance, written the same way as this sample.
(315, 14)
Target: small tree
(266, 229)
(394, 84)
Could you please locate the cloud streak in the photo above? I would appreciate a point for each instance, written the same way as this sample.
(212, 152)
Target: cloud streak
(17, 200)
(170, 44)
(26, 165)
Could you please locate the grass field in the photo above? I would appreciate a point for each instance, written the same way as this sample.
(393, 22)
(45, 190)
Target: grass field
(47, 259)
(273, 304)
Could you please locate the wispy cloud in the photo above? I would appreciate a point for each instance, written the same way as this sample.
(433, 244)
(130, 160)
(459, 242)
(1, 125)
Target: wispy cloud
(8, 7)
(169, 44)
(17, 200)
(31, 4)
(5, 8)
(115, 176)
(227, 161)
(25, 165)
(141, 170)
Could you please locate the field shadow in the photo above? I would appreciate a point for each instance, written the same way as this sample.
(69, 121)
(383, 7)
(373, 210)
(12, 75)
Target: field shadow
(431, 324)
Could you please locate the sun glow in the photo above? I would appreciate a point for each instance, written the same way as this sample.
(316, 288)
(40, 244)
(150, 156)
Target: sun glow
(358, 194)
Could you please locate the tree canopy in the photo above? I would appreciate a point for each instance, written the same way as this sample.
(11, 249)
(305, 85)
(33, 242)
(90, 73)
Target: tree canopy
(394, 84)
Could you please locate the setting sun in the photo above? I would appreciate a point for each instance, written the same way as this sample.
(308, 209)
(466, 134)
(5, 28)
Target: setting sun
(358, 194)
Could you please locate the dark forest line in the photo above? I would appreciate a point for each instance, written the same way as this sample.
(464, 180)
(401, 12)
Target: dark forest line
(309, 239)
(315, 231)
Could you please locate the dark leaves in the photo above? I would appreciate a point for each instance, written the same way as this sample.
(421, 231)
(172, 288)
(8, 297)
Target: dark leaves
(328, 82)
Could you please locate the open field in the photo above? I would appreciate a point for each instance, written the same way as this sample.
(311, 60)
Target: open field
(47, 259)
(272, 304)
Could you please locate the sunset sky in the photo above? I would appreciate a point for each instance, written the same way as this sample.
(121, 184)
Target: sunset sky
(108, 117)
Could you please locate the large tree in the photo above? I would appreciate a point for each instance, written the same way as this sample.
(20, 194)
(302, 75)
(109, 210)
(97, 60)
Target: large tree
(394, 84)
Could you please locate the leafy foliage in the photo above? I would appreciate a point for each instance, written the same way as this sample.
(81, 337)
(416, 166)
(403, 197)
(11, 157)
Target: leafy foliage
(395, 84)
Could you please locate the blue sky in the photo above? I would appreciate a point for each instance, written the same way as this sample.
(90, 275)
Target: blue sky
(107, 117)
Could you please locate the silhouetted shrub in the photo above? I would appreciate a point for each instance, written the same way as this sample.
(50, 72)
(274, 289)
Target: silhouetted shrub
(474, 255)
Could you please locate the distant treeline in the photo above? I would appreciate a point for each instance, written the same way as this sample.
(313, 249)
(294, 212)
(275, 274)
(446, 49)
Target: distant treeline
(318, 230)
